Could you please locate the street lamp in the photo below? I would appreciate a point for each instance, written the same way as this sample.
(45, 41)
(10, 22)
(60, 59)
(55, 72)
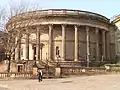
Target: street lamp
(41, 47)
(58, 57)
(47, 67)
(24, 62)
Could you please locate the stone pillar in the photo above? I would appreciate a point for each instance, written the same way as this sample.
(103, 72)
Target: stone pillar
(32, 51)
(19, 46)
(97, 44)
(63, 42)
(76, 43)
(13, 49)
(57, 72)
(12, 55)
(27, 44)
(50, 41)
(38, 44)
(88, 45)
(108, 44)
(103, 45)
(35, 71)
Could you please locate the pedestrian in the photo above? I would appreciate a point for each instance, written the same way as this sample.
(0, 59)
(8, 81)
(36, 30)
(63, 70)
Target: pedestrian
(40, 75)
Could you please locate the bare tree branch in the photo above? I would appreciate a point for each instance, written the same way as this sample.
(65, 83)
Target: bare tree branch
(13, 35)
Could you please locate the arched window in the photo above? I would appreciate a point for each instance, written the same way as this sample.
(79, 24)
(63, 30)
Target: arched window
(57, 50)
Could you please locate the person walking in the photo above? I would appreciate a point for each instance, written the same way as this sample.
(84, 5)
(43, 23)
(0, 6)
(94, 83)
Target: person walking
(40, 73)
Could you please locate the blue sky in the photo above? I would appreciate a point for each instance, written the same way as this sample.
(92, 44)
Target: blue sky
(108, 8)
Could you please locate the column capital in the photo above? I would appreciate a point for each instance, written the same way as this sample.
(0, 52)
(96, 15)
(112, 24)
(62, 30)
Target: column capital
(76, 27)
(37, 28)
(26, 29)
(103, 31)
(50, 25)
(96, 29)
(87, 28)
(27, 32)
(63, 25)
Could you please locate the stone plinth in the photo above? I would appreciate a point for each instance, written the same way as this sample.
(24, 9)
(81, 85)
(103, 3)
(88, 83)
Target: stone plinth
(34, 71)
(57, 72)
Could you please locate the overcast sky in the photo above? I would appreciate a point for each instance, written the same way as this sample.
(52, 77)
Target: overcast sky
(108, 8)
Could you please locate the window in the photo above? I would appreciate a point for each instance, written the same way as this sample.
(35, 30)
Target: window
(20, 68)
(57, 50)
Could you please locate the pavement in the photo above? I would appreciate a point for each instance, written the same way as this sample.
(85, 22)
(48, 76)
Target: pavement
(99, 82)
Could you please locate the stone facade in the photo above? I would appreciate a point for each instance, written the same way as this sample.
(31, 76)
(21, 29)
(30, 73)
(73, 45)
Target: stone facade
(64, 35)
(116, 21)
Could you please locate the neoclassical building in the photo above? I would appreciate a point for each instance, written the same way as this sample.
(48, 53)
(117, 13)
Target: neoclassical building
(67, 35)
(116, 21)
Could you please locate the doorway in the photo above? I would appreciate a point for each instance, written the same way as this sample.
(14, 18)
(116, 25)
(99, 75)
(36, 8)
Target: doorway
(20, 68)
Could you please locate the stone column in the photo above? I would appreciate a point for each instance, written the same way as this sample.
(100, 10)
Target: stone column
(13, 54)
(50, 41)
(108, 44)
(13, 48)
(97, 44)
(38, 44)
(76, 43)
(63, 42)
(19, 46)
(27, 44)
(88, 45)
(18, 51)
(103, 45)
(33, 51)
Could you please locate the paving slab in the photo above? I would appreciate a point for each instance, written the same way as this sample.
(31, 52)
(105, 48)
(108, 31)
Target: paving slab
(99, 82)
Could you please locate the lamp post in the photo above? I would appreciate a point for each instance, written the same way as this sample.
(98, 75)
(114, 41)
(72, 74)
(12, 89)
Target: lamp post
(58, 69)
(35, 69)
(58, 57)
(24, 65)
(41, 47)
(47, 67)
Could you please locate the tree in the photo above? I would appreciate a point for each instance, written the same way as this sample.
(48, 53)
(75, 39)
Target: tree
(11, 27)
(2, 34)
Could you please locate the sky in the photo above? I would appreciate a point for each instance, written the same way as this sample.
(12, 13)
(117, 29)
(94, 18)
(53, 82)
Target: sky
(108, 8)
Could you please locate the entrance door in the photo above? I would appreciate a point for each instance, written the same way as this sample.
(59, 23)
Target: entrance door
(20, 68)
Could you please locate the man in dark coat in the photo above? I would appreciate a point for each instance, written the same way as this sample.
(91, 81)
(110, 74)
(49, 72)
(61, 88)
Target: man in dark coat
(40, 75)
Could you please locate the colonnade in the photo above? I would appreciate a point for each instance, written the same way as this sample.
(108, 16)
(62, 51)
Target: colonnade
(105, 43)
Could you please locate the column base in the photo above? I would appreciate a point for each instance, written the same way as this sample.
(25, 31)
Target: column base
(57, 72)
(75, 60)
(63, 59)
